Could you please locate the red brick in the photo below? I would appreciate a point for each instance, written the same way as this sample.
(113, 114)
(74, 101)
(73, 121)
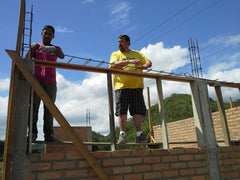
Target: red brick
(152, 175)
(199, 178)
(141, 168)
(171, 158)
(75, 173)
(70, 156)
(186, 172)
(160, 167)
(185, 157)
(134, 160)
(141, 152)
(159, 151)
(178, 165)
(102, 154)
(112, 162)
(167, 174)
(133, 177)
(50, 175)
(194, 164)
(122, 153)
(122, 170)
(176, 151)
(151, 160)
(51, 157)
(64, 165)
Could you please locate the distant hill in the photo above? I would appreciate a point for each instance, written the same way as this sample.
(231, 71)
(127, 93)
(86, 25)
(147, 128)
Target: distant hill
(177, 107)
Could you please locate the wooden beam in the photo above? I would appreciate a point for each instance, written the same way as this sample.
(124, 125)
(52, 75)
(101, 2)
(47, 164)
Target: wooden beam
(130, 73)
(58, 115)
(21, 26)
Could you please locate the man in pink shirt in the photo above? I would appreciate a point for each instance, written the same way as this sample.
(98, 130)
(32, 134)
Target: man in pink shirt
(45, 51)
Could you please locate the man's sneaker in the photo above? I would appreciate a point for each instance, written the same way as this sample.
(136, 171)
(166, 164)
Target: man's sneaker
(140, 139)
(50, 138)
(122, 139)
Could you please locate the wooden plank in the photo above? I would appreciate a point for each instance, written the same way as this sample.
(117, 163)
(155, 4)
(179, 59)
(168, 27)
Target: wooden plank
(223, 117)
(131, 73)
(58, 115)
(162, 116)
(111, 111)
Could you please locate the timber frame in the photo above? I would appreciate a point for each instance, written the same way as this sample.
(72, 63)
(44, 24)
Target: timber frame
(202, 116)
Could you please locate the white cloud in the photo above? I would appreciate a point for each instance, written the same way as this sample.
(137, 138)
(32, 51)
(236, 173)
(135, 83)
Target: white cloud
(224, 41)
(87, 1)
(120, 14)
(165, 59)
(4, 84)
(63, 29)
(3, 116)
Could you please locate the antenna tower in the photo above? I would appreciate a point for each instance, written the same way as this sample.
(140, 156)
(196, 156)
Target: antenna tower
(195, 58)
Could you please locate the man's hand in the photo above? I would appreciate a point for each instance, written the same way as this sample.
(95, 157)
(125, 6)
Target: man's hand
(147, 65)
(135, 61)
(48, 49)
(35, 46)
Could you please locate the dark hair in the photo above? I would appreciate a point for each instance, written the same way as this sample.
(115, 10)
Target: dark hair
(49, 27)
(126, 37)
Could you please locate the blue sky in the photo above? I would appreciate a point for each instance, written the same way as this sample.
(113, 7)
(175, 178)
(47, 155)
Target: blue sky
(159, 29)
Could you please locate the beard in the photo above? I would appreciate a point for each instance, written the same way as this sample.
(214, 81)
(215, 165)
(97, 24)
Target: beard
(121, 49)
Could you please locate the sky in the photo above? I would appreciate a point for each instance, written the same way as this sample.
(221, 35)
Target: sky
(159, 29)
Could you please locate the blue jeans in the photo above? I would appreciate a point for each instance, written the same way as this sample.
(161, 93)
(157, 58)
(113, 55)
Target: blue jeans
(51, 90)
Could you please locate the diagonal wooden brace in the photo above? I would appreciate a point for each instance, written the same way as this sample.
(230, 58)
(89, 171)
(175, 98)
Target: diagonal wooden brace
(57, 114)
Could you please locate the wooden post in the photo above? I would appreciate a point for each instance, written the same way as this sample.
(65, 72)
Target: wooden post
(12, 99)
(58, 116)
(111, 111)
(204, 126)
(230, 102)
(162, 117)
(223, 117)
(151, 133)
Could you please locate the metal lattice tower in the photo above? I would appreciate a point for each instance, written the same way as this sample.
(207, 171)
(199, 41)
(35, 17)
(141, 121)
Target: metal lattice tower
(88, 117)
(195, 58)
(27, 32)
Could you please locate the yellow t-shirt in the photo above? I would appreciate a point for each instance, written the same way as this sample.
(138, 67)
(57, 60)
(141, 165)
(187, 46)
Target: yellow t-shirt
(124, 81)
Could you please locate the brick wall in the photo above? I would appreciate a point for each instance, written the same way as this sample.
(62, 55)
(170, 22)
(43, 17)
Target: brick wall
(188, 163)
(138, 164)
(184, 130)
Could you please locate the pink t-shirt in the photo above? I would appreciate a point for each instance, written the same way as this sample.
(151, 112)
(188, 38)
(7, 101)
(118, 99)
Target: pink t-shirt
(43, 73)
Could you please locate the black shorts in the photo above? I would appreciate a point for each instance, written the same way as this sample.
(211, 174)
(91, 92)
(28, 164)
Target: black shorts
(131, 99)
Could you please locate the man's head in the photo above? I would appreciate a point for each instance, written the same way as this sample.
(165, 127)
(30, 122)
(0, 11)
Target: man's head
(47, 34)
(123, 43)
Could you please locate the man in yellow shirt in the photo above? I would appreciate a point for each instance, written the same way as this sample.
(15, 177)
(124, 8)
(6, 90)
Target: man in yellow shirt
(129, 89)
